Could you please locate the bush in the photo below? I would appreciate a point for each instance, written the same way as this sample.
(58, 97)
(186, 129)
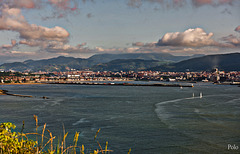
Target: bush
(19, 142)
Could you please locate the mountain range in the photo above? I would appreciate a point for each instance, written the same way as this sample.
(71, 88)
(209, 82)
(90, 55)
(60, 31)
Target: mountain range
(226, 62)
(131, 62)
(65, 63)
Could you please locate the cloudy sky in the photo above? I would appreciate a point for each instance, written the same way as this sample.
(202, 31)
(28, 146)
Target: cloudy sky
(37, 29)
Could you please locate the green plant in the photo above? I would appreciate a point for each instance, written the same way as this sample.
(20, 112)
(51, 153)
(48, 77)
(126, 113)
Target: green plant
(19, 142)
(13, 142)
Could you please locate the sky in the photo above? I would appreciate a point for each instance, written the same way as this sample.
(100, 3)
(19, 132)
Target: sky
(41, 29)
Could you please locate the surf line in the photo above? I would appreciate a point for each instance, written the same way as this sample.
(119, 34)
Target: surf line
(177, 100)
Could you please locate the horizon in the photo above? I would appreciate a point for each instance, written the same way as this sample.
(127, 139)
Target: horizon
(44, 29)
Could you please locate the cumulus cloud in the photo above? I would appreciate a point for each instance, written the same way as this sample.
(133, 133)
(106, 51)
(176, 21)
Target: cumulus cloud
(22, 53)
(192, 37)
(232, 39)
(60, 8)
(33, 43)
(141, 44)
(176, 50)
(237, 29)
(191, 41)
(56, 47)
(43, 41)
(9, 46)
(13, 20)
(31, 34)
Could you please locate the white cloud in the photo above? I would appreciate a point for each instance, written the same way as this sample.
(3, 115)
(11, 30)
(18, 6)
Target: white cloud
(22, 53)
(141, 44)
(13, 20)
(191, 41)
(49, 39)
(232, 40)
(192, 37)
(9, 46)
(65, 48)
(237, 29)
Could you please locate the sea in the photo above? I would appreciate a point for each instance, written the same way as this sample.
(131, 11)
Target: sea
(149, 120)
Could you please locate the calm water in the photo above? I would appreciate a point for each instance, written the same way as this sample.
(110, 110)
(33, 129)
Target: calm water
(146, 119)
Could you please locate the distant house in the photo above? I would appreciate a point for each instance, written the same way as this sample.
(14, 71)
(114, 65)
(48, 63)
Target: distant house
(171, 80)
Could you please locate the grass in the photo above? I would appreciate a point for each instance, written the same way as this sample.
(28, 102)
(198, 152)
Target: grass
(19, 142)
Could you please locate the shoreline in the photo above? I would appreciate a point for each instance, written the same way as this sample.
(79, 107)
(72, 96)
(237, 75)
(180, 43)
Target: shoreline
(109, 82)
(5, 92)
(20, 83)
(123, 84)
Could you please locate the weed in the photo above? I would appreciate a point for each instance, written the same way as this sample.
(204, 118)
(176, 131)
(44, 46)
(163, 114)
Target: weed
(19, 142)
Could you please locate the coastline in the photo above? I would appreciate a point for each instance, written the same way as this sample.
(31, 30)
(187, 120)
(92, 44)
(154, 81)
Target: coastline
(5, 92)
(124, 84)
(20, 83)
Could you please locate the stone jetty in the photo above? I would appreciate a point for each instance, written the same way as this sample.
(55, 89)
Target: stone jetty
(5, 92)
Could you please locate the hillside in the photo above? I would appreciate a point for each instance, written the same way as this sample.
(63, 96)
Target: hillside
(161, 62)
(65, 63)
(55, 64)
(127, 65)
(226, 62)
(105, 58)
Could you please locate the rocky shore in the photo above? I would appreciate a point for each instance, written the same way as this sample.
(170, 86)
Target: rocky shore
(5, 92)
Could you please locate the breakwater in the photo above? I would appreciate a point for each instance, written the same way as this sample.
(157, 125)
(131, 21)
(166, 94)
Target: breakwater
(123, 84)
(5, 92)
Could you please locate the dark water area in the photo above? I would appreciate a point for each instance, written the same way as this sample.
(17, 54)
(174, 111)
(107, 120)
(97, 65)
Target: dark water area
(145, 119)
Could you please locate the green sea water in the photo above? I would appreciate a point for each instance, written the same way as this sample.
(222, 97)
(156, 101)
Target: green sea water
(145, 119)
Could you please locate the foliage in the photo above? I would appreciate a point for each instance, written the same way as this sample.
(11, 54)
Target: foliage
(13, 142)
(19, 142)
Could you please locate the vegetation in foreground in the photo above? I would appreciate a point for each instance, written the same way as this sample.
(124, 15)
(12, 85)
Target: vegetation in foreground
(19, 142)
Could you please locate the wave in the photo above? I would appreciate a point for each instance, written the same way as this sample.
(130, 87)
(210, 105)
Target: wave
(82, 120)
(201, 118)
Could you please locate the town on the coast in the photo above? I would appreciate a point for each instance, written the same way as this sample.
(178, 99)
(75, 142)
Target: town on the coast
(215, 76)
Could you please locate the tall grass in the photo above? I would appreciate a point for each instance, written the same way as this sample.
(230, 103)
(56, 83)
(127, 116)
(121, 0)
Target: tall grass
(20, 143)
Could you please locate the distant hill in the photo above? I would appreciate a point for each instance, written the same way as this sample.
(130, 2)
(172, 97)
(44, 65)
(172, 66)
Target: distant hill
(104, 58)
(226, 62)
(151, 61)
(127, 65)
(55, 64)
(65, 63)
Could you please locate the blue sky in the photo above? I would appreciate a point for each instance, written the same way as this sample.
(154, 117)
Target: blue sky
(37, 29)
